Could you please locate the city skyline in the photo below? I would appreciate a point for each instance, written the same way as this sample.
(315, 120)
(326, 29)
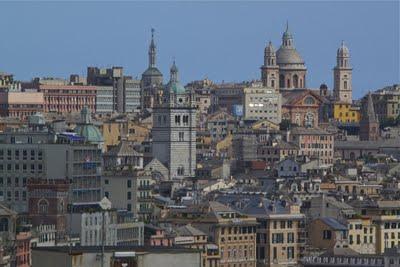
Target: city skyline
(210, 43)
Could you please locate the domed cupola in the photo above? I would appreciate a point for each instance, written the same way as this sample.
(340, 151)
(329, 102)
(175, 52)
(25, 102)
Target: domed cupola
(87, 130)
(287, 53)
(287, 38)
(343, 51)
(174, 86)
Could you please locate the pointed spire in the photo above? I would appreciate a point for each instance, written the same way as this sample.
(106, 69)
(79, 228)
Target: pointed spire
(152, 50)
(287, 38)
(370, 112)
(174, 72)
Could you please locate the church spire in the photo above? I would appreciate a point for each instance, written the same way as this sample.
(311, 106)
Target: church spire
(370, 112)
(287, 38)
(174, 72)
(152, 51)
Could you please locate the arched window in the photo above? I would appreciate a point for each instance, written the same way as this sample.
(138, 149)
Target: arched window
(295, 81)
(4, 225)
(272, 83)
(43, 206)
(345, 84)
(288, 83)
(309, 101)
(281, 81)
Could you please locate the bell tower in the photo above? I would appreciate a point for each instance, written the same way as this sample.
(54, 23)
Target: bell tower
(270, 70)
(342, 76)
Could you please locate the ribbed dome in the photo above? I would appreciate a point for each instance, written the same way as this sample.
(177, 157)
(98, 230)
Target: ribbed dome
(176, 87)
(286, 55)
(89, 132)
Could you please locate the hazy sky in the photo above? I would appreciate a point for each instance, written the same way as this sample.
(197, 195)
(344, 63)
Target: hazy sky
(221, 41)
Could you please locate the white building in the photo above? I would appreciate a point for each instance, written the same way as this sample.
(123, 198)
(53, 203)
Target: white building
(262, 103)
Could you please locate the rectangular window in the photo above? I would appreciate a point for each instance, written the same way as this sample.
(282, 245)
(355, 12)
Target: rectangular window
(32, 154)
(181, 136)
(290, 237)
(177, 119)
(290, 253)
(327, 234)
(185, 120)
(129, 195)
(129, 183)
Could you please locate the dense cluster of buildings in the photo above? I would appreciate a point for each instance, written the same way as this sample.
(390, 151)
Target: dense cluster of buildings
(110, 170)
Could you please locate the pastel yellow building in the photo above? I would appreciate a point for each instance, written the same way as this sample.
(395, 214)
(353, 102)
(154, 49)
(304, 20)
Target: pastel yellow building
(362, 235)
(345, 113)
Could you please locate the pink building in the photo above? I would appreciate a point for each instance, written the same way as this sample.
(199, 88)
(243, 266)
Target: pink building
(68, 98)
(161, 238)
(23, 249)
(313, 142)
(20, 104)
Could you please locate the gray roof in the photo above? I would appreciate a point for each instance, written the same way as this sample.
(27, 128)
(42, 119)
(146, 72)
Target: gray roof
(124, 148)
(333, 223)
(188, 230)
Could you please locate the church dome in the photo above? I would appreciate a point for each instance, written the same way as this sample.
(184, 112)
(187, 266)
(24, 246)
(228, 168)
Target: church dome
(89, 132)
(176, 87)
(86, 129)
(286, 55)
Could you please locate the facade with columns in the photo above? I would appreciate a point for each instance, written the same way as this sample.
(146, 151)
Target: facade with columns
(174, 129)
(285, 68)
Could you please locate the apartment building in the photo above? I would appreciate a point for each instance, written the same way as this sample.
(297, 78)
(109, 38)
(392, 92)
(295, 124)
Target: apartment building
(41, 154)
(313, 142)
(262, 103)
(385, 217)
(280, 232)
(362, 235)
(328, 234)
(233, 232)
(68, 98)
(18, 104)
